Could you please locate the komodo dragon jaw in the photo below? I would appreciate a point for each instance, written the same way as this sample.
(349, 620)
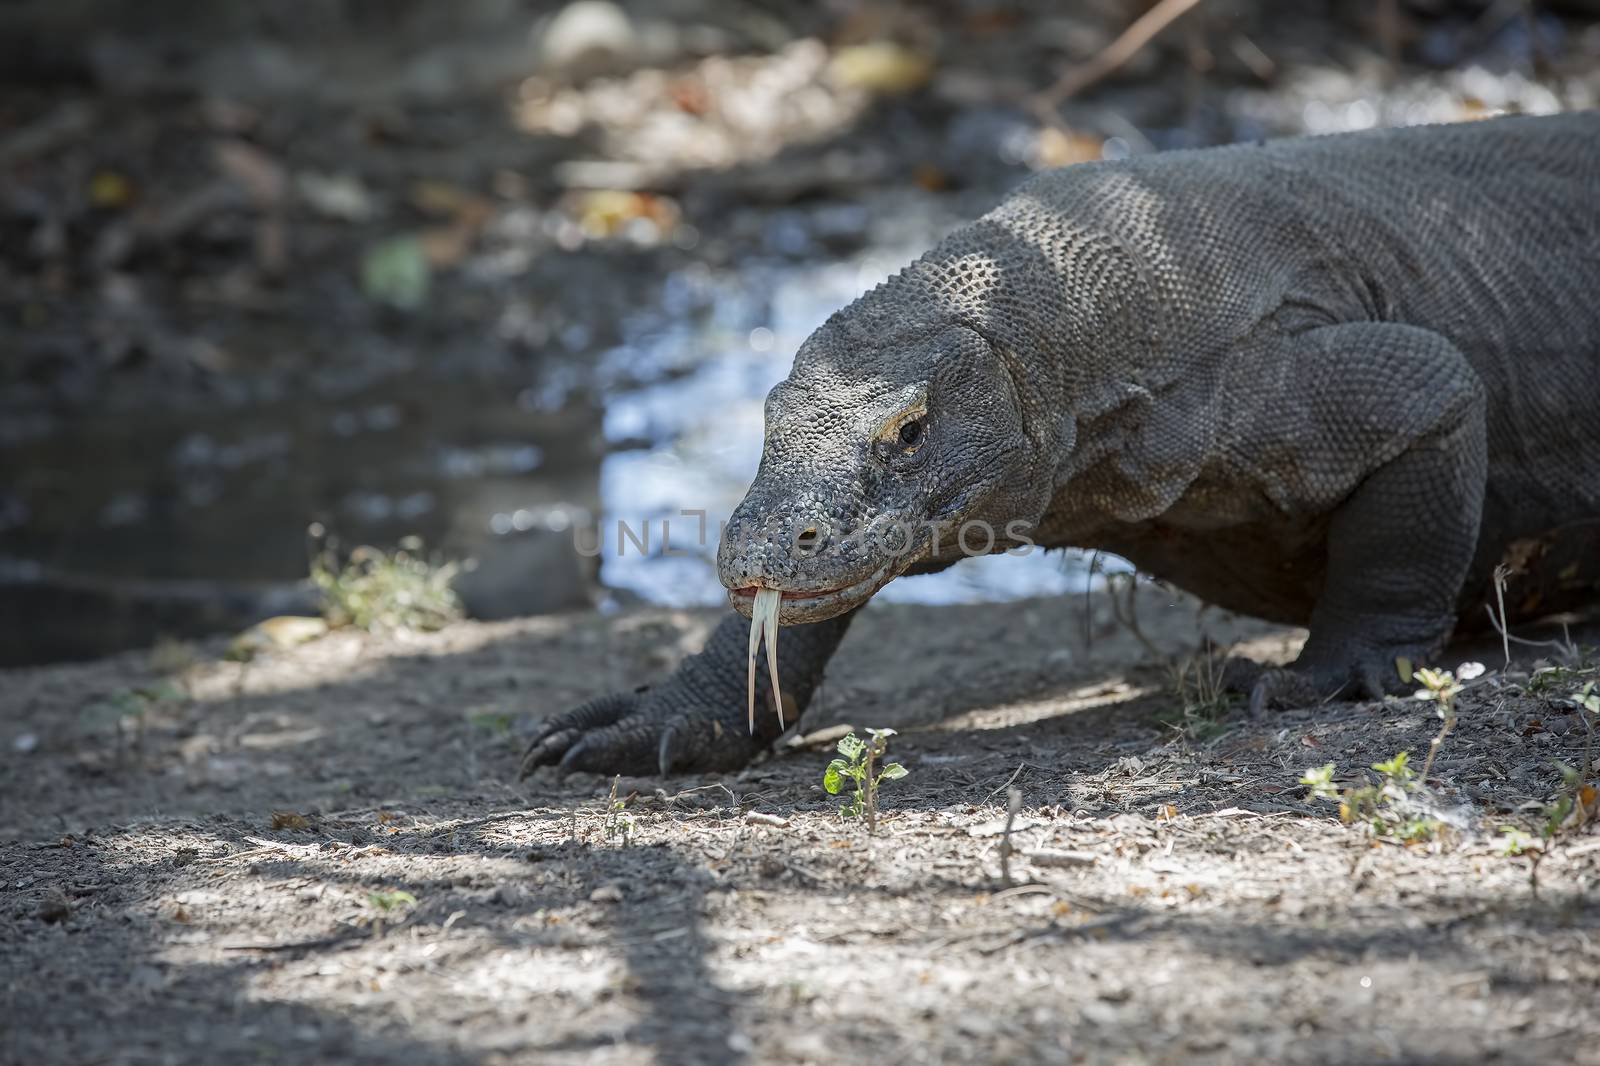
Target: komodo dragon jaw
(799, 606)
(766, 608)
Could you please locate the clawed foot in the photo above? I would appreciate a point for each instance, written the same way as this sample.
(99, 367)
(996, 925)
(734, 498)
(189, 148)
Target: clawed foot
(694, 721)
(1301, 684)
(643, 732)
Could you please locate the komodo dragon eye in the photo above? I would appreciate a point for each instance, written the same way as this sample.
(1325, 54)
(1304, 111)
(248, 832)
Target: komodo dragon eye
(903, 435)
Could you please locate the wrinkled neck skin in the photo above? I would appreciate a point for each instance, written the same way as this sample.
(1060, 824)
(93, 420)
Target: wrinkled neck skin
(1005, 343)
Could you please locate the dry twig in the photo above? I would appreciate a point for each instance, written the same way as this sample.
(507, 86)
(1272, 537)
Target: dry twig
(1125, 47)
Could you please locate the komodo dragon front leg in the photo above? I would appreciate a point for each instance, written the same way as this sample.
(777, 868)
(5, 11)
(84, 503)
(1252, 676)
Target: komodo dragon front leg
(1379, 427)
(695, 720)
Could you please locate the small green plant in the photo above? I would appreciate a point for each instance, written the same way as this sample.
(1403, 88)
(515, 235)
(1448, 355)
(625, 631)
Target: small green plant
(377, 590)
(619, 824)
(1442, 687)
(1514, 842)
(857, 763)
(497, 723)
(1575, 800)
(1384, 807)
(389, 899)
(127, 713)
(1587, 700)
(1547, 679)
(1319, 780)
(1572, 802)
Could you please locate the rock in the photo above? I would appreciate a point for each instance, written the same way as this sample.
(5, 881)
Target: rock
(54, 909)
(498, 586)
(606, 894)
(588, 38)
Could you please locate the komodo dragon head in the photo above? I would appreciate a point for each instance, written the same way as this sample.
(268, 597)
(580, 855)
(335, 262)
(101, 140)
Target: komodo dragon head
(899, 422)
(926, 420)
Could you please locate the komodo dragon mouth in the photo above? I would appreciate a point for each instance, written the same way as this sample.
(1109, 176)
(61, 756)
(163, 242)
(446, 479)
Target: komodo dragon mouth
(764, 606)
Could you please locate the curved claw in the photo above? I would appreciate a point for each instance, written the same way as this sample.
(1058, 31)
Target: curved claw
(569, 761)
(628, 747)
(1372, 678)
(669, 751)
(546, 751)
(1282, 687)
(554, 739)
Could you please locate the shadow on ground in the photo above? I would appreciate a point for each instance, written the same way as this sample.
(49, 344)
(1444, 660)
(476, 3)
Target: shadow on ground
(228, 880)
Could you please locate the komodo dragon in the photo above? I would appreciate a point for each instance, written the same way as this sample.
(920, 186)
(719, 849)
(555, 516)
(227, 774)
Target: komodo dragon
(1325, 381)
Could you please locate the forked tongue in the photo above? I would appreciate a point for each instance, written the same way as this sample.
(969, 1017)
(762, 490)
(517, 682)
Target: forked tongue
(764, 620)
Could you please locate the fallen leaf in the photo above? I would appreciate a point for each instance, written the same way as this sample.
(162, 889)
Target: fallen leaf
(110, 190)
(880, 67)
(283, 631)
(1060, 148)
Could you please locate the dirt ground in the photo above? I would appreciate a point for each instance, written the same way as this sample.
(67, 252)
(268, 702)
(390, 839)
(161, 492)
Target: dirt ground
(325, 855)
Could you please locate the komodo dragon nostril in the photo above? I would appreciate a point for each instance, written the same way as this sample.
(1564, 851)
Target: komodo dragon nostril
(809, 540)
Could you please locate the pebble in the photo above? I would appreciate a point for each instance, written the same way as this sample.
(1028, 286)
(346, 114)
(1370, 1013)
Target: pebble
(588, 37)
(606, 894)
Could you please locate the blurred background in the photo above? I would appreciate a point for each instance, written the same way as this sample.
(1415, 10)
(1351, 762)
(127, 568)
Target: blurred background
(498, 274)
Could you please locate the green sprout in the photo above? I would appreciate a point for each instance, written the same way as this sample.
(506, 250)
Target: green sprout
(1443, 687)
(1514, 842)
(389, 899)
(857, 762)
(1320, 781)
(1381, 806)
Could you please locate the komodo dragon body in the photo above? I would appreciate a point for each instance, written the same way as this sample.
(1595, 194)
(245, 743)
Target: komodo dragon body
(1325, 381)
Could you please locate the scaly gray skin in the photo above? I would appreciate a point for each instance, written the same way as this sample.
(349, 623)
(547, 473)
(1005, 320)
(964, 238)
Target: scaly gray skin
(1324, 381)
